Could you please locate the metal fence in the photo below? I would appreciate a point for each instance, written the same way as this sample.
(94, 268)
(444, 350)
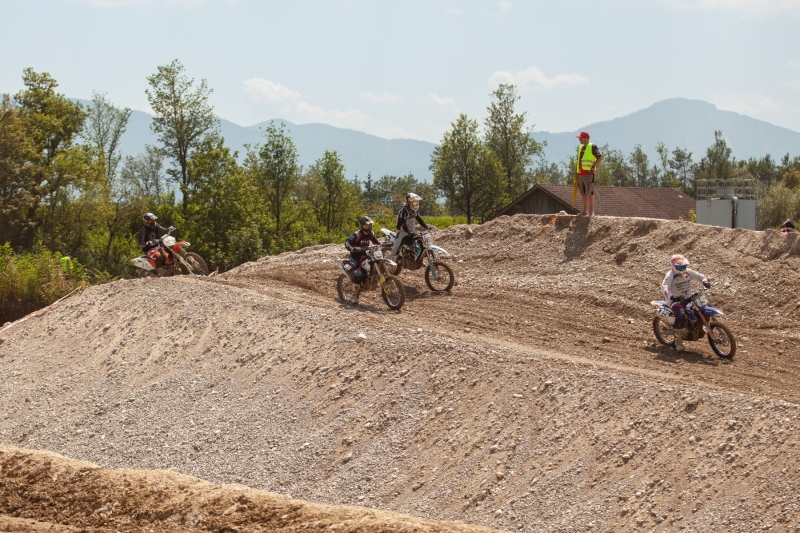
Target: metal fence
(744, 189)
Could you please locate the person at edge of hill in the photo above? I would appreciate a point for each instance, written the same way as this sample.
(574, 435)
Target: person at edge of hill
(788, 226)
(677, 288)
(406, 222)
(149, 235)
(66, 263)
(589, 158)
(357, 244)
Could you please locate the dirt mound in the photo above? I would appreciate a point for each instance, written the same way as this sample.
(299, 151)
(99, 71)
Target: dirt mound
(531, 398)
(45, 491)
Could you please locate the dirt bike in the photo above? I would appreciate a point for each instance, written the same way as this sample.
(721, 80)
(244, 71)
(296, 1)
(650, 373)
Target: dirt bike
(701, 319)
(392, 290)
(173, 256)
(422, 252)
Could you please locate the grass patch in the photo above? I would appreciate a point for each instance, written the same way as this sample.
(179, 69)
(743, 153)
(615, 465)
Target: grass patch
(36, 277)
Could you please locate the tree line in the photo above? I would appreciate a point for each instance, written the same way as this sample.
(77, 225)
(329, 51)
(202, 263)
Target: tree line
(66, 186)
(478, 172)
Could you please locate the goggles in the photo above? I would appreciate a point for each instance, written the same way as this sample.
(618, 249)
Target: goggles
(366, 227)
(680, 268)
(414, 203)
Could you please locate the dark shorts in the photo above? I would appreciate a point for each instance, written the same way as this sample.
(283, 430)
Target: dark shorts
(586, 184)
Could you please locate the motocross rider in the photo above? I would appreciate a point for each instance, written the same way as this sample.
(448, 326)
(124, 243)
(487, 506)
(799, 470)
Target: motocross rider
(677, 289)
(149, 235)
(357, 244)
(406, 218)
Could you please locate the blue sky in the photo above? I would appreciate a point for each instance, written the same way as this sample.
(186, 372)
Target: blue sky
(407, 68)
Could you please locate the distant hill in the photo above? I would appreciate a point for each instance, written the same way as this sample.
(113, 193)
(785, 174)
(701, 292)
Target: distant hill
(360, 152)
(679, 123)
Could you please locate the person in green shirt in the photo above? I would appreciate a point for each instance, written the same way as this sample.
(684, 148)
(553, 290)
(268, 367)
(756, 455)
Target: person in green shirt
(66, 263)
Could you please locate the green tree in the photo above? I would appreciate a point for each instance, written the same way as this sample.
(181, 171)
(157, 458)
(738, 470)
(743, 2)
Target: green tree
(105, 125)
(183, 117)
(332, 199)
(681, 165)
(388, 194)
(717, 163)
(222, 217)
(507, 136)
(20, 177)
(640, 164)
(467, 173)
(275, 171)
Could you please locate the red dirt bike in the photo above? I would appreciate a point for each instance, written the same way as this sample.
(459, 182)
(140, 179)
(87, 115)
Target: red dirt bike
(173, 256)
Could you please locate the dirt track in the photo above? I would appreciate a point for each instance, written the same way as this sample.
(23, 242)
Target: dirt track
(498, 404)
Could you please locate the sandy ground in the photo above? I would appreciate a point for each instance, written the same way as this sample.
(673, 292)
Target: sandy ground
(533, 397)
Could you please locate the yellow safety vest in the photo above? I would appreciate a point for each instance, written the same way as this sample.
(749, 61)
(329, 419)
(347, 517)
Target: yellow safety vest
(587, 161)
(66, 264)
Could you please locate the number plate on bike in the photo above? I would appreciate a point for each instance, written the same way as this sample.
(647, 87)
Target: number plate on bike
(700, 300)
(378, 254)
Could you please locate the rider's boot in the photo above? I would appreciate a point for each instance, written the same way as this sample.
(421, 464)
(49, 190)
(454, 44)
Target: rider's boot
(679, 340)
(356, 290)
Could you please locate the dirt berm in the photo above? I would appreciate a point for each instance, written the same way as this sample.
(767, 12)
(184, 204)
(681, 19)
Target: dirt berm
(531, 398)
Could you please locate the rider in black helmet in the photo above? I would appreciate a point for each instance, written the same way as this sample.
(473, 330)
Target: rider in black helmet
(149, 235)
(357, 244)
(788, 226)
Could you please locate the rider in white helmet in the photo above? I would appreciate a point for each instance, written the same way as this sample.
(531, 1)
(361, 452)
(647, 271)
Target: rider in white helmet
(406, 219)
(677, 289)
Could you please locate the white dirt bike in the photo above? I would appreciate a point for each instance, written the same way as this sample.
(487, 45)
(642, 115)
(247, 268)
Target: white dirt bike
(700, 319)
(421, 252)
(173, 256)
(392, 290)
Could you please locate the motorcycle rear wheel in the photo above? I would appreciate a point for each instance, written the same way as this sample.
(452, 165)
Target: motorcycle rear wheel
(393, 292)
(664, 331)
(147, 274)
(345, 287)
(196, 263)
(442, 279)
(721, 340)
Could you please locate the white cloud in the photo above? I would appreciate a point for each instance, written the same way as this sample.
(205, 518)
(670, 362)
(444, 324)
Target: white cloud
(454, 12)
(445, 102)
(505, 7)
(292, 106)
(383, 98)
(753, 6)
(793, 84)
(747, 104)
(534, 77)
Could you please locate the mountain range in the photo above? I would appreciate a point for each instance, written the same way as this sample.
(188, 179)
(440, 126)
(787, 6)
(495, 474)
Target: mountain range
(677, 122)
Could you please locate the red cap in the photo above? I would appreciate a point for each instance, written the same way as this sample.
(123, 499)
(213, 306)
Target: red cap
(583, 134)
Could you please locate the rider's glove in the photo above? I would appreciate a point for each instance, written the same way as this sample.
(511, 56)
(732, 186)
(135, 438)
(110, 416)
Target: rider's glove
(706, 284)
(150, 243)
(171, 229)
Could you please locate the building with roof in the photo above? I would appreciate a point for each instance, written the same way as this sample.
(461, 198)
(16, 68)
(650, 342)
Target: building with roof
(545, 199)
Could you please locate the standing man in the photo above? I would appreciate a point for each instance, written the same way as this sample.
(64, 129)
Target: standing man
(589, 158)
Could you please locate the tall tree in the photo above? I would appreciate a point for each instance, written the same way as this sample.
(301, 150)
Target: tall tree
(333, 199)
(681, 164)
(144, 175)
(641, 166)
(467, 173)
(105, 125)
(507, 136)
(717, 163)
(274, 169)
(183, 117)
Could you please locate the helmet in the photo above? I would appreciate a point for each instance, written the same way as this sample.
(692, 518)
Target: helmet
(149, 219)
(413, 201)
(788, 224)
(365, 224)
(679, 264)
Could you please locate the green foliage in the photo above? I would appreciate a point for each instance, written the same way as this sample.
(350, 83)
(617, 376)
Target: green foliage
(388, 194)
(332, 199)
(467, 173)
(507, 136)
(36, 277)
(777, 204)
(182, 118)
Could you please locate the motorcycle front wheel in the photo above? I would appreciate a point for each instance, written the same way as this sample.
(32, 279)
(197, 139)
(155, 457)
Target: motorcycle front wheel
(197, 265)
(439, 276)
(393, 292)
(345, 288)
(664, 331)
(721, 340)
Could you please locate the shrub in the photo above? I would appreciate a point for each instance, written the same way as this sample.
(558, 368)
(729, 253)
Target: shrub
(36, 277)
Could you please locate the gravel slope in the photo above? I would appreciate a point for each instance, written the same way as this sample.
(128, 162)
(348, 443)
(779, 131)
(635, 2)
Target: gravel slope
(532, 398)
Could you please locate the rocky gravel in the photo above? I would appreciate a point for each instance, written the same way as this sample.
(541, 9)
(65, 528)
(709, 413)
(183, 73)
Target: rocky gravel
(531, 398)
